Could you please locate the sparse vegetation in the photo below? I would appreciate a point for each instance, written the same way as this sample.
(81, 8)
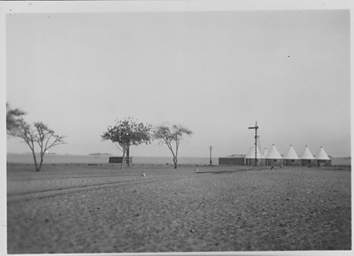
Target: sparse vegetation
(172, 136)
(126, 133)
(39, 136)
(14, 116)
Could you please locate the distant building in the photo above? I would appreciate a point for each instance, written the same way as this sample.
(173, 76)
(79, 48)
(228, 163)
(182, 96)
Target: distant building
(235, 159)
(272, 157)
(119, 159)
(341, 161)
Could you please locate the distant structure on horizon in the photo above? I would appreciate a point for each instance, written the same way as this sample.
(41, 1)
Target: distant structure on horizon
(272, 157)
(100, 154)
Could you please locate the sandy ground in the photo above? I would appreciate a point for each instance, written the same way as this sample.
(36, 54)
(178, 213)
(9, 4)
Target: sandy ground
(80, 208)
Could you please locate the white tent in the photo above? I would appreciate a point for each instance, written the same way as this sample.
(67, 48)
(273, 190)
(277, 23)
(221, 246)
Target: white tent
(273, 153)
(265, 153)
(251, 153)
(291, 154)
(307, 155)
(322, 155)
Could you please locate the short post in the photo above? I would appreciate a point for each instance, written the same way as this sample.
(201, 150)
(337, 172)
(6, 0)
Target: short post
(210, 149)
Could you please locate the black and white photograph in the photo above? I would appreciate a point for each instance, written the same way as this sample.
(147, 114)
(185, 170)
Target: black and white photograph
(180, 129)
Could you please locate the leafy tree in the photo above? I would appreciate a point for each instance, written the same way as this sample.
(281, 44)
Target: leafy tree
(126, 133)
(38, 136)
(13, 119)
(171, 136)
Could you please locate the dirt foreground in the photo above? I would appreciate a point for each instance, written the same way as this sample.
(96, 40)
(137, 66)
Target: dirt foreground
(90, 209)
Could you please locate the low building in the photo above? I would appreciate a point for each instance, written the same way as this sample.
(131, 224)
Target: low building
(341, 161)
(236, 159)
(119, 159)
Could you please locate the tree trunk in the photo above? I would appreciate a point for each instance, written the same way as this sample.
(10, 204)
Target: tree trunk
(41, 162)
(175, 162)
(35, 161)
(123, 158)
(128, 156)
(175, 158)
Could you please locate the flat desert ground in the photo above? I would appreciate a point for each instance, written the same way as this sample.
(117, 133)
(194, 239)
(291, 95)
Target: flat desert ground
(68, 208)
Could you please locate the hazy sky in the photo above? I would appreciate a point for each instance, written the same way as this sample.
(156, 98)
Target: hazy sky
(214, 72)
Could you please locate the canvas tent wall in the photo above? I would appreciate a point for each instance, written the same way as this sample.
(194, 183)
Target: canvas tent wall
(273, 157)
(307, 158)
(250, 157)
(291, 157)
(323, 158)
(265, 153)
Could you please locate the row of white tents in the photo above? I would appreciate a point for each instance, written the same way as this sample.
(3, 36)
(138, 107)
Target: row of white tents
(272, 156)
(273, 153)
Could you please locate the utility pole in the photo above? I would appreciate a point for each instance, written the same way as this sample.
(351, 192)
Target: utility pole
(255, 128)
(210, 149)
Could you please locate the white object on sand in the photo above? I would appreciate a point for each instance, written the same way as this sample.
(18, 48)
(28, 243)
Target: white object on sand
(273, 153)
(291, 154)
(307, 155)
(322, 155)
(251, 153)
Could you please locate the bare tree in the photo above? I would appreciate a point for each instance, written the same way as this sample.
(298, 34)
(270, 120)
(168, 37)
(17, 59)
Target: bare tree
(126, 133)
(13, 118)
(171, 136)
(37, 137)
